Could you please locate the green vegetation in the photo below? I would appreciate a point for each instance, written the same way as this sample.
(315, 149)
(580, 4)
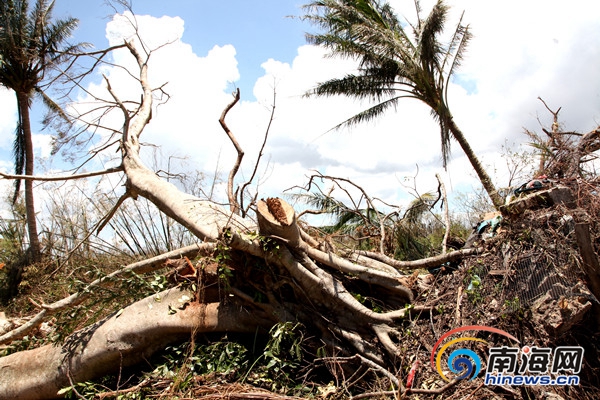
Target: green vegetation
(32, 46)
(12, 254)
(411, 234)
(179, 368)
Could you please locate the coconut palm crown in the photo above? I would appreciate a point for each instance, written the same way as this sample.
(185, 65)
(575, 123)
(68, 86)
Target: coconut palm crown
(396, 60)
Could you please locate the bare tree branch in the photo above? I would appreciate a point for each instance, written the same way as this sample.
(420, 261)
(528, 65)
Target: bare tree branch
(61, 177)
(422, 263)
(260, 154)
(234, 206)
(446, 212)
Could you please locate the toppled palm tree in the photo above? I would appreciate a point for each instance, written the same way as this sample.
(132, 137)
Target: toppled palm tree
(396, 61)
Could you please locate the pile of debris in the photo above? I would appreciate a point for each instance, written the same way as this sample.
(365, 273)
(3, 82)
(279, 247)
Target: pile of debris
(538, 278)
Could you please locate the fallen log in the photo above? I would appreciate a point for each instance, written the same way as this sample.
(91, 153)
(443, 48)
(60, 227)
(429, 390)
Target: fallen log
(123, 339)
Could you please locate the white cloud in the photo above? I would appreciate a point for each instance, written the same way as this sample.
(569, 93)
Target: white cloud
(522, 50)
(519, 51)
(42, 144)
(8, 105)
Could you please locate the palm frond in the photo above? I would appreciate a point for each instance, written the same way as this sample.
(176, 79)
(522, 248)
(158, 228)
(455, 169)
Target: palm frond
(376, 84)
(355, 29)
(456, 48)
(429, 46)
(321, 202)
(440, 113)
(370, 113)
(19, 157)
(346, 219)
(542, 148)
(418, 207)
(389, 60)
(53, 107)
(455, 54)
(30, 43)
(57, 34)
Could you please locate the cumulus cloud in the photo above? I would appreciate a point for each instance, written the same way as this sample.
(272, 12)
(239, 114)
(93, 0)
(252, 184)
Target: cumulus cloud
(8, 105)
(519, 51)
(195, 86)
(522, 50)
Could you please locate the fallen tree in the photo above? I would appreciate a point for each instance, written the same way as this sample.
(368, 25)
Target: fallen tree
(301, 280)
(126, 338)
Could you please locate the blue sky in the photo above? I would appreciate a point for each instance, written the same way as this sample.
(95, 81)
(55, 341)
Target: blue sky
(259, 29)
(520, 50)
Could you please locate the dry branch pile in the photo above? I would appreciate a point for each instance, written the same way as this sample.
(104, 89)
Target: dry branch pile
(529, 281)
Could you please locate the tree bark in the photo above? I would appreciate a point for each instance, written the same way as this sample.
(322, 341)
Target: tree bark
(234, 205)
(34, 242)
(590, 265)
(123, 339)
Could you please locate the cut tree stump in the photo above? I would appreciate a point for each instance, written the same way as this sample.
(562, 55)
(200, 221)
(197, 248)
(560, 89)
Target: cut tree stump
(540, 199)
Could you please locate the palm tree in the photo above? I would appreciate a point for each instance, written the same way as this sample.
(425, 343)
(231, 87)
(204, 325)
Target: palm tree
(31, 46)
(408, 236)
(394, 64)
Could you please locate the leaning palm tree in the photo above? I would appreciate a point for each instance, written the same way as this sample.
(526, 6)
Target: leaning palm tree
(395, 64)
(31, 46)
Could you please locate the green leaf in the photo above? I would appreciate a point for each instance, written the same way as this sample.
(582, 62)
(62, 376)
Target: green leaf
(65, 390)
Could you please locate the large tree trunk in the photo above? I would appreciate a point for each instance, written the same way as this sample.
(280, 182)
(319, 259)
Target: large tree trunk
(133, 334)
(34, 242)
(125, 338)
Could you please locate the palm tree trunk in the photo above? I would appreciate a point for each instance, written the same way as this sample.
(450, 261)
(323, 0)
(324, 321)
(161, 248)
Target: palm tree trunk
(34, 243)
(485, 179)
